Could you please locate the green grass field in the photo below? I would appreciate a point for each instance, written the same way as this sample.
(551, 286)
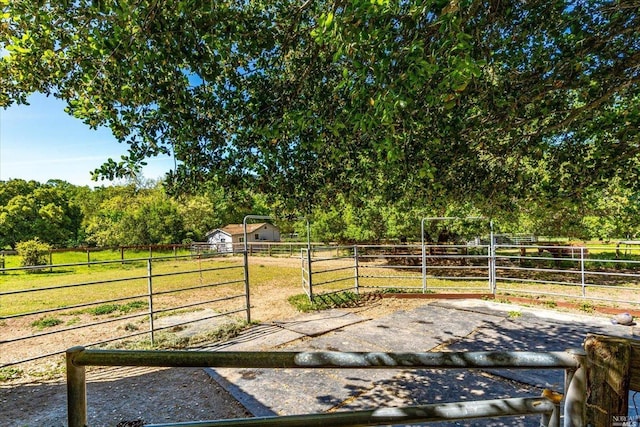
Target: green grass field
(81, 284)
(67, 286)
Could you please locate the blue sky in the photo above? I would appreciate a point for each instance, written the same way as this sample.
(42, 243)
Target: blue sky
(41, 142)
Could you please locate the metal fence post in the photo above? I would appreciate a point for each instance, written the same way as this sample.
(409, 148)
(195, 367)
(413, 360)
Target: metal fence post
(552, 419)
(584, 290)
(424, 258)
(245, 259)
(493, 279)
(357, 272)
(246, 282)
(150, 291)
(309, 256)
(76, 390)
(302, 270)
(494, 274)
(575, 384)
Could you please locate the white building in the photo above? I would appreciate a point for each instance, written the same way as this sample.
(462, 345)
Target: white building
(231, 236)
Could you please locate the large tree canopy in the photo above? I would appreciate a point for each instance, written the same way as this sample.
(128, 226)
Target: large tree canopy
(433, 99)
(30, 209)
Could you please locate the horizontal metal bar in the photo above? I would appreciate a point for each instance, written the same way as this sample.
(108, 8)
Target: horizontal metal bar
(606, 273)
(71, 307)
(545, 270)
(74, 285)
(390, 246)
(100, 282)
(199, 271)
(208, 285)
(408, 288)
(90, 263)
(483, 289)
(454, 278)
(596, 298)
(537, 258)
(86, 325)
(530, 292)
(455, 256)
(394, 267)
(55, 353)
(333, 292)
(385, 416)
(328, 359)
(550, 282)
(364, 276)
(457, 246)
(587, 260)
(314, 260)
(195, 304)
(329, 270)
(331, 281)
(31, 359)
(457, 267)
(624, 287)
(387, 255)
(586, 272)
(329, 247)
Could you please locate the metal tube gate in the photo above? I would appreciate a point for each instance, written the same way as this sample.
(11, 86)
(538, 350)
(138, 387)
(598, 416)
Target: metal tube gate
(79, 357)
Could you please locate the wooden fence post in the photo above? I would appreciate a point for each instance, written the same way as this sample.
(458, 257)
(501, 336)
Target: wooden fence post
(608, 379)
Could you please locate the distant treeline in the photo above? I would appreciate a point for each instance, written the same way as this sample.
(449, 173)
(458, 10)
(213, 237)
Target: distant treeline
(64, 215)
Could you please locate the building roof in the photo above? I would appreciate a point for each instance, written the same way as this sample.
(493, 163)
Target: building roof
(236, 229)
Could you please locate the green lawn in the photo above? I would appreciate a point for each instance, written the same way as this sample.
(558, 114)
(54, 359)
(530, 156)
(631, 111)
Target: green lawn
(108, 281)
(129, 280)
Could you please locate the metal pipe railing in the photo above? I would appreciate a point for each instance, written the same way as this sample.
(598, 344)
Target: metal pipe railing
(79, 357)
(415, 263)
(151, 277)
(408, 414)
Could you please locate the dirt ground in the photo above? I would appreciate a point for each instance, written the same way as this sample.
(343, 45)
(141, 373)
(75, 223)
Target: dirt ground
(126, 397)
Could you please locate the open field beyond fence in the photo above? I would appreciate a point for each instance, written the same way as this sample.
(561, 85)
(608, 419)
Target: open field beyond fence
(119, 303)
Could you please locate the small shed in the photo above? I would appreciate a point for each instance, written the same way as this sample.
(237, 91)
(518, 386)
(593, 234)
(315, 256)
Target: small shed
(223, 239)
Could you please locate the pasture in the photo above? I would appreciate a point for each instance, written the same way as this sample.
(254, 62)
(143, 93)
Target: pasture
(119, 302)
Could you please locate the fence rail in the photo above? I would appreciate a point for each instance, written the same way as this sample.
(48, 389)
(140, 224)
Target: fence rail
(568, 271)
(596, 274)
(571, 362)
(143, 296)
(260, 248)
